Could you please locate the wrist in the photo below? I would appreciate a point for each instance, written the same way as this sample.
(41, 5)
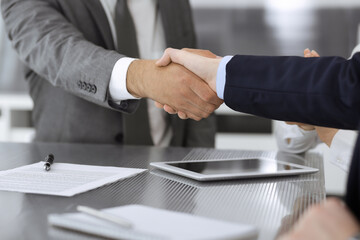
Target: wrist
(326, 135)
(135, 79)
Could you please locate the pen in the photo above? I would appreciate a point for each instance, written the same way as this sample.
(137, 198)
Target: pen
(105, 216)
(48, 161)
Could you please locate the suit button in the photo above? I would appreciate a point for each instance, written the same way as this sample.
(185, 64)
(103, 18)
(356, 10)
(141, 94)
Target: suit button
(93, 89)
(124, 104)
(83, 85)
(119, 138)
(79, 83)
(88, 87)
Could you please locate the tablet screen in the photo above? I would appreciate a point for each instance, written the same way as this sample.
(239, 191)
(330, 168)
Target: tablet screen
(234, 166)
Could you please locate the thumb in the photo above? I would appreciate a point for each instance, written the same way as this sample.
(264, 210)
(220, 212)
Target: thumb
(166, 58)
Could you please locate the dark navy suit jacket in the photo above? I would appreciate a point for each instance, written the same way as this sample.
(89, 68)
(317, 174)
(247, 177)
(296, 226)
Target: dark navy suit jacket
(321, 91)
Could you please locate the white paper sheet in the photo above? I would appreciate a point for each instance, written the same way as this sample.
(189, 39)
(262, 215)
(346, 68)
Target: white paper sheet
(152, 223)
(63, 179)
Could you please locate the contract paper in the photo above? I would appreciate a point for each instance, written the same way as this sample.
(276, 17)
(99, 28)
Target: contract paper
(63, 179)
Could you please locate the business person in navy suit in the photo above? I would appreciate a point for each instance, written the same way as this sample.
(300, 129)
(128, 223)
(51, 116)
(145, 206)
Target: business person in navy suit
(321, 91)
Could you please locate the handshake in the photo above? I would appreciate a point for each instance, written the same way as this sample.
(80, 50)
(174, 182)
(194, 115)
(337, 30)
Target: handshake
(182, 82)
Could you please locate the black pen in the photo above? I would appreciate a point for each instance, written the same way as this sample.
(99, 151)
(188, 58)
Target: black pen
(48, 161)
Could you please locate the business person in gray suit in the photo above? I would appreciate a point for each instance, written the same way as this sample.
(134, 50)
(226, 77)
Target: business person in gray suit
(86, 78)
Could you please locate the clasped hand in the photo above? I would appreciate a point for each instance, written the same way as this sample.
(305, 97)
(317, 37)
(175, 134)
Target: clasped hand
(204, 65)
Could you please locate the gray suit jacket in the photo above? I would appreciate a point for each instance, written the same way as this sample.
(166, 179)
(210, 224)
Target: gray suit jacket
(68, 49)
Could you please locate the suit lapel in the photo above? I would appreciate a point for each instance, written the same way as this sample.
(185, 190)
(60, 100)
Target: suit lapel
(97, 11)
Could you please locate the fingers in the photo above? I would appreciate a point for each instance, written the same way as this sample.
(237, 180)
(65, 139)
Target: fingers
(188, 92)
(197, 107)
(166, 108)
(176, 56)
(165, 59)
(193, 62)
(182, 115)
(314, 54)
(169, 109)
(308, 53)
(159, 105)
(201, 52)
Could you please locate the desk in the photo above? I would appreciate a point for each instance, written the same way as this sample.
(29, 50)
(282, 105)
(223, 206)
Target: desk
(272, 204)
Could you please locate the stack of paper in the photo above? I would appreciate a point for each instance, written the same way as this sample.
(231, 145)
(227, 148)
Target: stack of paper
(152, 223)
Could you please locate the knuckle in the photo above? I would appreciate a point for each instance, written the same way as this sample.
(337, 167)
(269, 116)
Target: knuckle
(167, 50)
(209, 97)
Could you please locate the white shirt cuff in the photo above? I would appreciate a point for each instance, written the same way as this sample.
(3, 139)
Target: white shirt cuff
(221, 76)
(342, 147)
(292, 139)
(117, 87)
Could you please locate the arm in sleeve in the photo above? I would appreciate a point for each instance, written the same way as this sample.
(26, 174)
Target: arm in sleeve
(320, 91)
(53, 48)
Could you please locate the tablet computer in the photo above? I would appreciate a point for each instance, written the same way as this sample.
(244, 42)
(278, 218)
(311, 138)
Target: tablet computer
(210, 170)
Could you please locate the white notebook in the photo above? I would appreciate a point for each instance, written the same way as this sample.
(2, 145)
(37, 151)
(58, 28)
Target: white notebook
(152, 223)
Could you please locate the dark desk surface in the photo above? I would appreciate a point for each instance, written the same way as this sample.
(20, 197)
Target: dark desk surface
(272, 204)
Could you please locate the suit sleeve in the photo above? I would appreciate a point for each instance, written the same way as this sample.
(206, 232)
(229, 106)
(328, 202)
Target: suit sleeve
(53, 48)
(321, 91)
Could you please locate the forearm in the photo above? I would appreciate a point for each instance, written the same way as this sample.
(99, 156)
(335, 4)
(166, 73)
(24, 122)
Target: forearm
(318, 91)
(53, 48)
(138, 71)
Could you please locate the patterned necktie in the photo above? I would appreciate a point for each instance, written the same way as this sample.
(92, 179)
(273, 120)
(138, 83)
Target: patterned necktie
(136, 126)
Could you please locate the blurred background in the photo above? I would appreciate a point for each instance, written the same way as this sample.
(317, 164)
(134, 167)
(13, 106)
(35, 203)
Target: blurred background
(226, 27)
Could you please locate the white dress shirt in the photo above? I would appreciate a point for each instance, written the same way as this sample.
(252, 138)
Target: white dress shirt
(292, 139)
(151, 43)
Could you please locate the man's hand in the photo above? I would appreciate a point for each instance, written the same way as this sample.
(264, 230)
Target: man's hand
(204, 67)
(171, 55)
(172, 85)
(326, 135)
(330, 221)
(200, 52)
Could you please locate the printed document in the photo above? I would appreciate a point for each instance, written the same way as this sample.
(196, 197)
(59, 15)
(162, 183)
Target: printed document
(63, 179)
